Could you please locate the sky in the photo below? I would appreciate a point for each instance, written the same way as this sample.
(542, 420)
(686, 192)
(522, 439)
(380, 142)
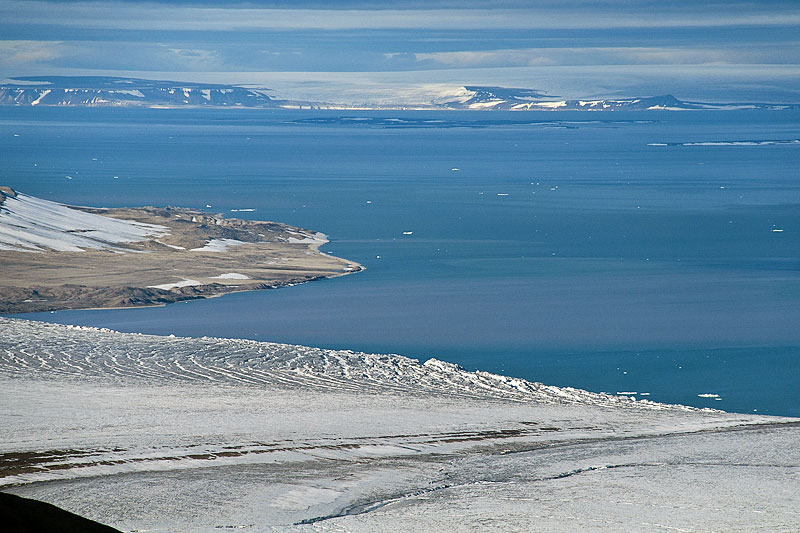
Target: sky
(413, 50)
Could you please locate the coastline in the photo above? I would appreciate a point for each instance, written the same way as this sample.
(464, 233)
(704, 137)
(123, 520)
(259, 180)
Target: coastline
(94, 258)
(202, 433)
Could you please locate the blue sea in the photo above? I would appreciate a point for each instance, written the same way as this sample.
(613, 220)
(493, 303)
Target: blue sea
(647, 252)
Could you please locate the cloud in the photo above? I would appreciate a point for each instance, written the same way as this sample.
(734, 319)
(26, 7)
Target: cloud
(18, 53)
(135, 16)
(193, 58)
(609, 55)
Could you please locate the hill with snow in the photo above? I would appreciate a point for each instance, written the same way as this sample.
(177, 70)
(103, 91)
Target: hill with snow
(93, 91)
(105, 91)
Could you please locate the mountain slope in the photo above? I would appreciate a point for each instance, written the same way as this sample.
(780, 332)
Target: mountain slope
(93, 91)
(105, 91)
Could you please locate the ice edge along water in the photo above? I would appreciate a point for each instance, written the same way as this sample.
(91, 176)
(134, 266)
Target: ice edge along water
(54, 355)
(33, 349)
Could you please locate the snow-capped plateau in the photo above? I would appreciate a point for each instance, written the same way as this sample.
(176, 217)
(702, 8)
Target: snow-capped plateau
(105, 91)
(97, 91)
(503, 98)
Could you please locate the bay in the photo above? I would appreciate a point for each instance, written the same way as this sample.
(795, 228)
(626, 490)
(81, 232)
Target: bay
(607, 251)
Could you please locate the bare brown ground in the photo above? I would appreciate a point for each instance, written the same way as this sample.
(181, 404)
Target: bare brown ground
(51, 280)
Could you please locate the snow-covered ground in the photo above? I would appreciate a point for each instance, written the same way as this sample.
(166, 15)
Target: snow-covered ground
(152, 433)
(309, 238)
(29, 224)
(218, 245)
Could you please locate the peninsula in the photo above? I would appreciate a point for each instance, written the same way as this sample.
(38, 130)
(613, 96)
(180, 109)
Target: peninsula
(55, 256)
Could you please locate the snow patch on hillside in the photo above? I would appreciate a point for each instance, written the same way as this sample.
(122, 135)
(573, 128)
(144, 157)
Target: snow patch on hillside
(218, 245)
(29, 224)
(305, 238)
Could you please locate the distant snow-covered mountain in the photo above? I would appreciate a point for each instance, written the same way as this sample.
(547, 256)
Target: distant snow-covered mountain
(102, 91)
(497, 98)
(93, 91)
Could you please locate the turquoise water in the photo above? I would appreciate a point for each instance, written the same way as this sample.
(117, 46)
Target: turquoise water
(570, 248)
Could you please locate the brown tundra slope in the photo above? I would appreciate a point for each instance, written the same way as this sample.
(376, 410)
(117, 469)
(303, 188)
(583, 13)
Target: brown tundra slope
(54, 256)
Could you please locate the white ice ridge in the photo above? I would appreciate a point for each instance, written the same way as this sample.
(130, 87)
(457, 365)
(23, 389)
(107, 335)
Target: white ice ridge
(29, 224)
(39, 350)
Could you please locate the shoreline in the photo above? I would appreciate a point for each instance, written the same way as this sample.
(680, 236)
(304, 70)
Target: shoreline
(182, 298)
(99, 258)
(313, 438)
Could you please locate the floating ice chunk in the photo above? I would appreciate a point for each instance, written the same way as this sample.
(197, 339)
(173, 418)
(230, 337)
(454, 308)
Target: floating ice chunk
(777, 230)
(455, 169)
(408, 233)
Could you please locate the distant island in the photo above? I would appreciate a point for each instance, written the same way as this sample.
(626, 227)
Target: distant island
(106, 91)
(54, 256)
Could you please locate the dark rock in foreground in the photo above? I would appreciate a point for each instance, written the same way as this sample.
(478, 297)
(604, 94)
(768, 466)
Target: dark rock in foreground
(23, 515)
